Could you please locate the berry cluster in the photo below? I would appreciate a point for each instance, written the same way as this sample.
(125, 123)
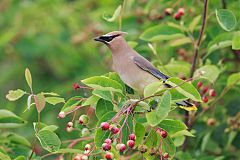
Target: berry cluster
(177, 15)
(107, 145)
(87, 151)
(204, 90)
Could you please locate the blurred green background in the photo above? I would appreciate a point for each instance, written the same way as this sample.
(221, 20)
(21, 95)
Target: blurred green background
(54, 39)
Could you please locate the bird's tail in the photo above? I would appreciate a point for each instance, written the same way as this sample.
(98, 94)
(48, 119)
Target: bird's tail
(187, 105)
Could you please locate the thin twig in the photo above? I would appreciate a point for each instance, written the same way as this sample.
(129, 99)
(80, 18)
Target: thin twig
(194, 63)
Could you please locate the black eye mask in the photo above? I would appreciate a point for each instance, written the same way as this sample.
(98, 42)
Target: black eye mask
(108, 38)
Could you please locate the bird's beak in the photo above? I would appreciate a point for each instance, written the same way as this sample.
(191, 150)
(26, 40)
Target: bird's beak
(100, 40)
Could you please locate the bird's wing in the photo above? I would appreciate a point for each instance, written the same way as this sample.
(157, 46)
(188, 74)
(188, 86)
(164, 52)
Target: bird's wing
(145, 65)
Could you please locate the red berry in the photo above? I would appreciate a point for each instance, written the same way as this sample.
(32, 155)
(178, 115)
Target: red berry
(105, 125)
(108, 141)
(181, 11)
(163, 134)
(106, 146)
(168, 11)
(130, 143)
(205, 99)
(166, 155)
(61, 115)
(76, 86)
(212, 93)
(122, 147)
(114, 130)
(199, 84)
(205, 89)
(69, 124)
(132, 137)
(177, 16)
(109, 156)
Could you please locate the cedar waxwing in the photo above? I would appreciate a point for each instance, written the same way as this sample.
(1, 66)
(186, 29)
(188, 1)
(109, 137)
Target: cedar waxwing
(134, 70)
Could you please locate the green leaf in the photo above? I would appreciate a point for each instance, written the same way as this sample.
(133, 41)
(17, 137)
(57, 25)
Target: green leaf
(161, 112)
(184, 88)
(101, 135)
(127, 128)
(10, 120)
(115, 14)
(140, 133)
(172, 126)
(226, 19)
(152, 140)
(49, 140)
(153, 88)
(234, 79)
(50, 128)
(71, 104)
(20, 158)
(194, 23)
(40, 102)
(236, 41)
(161, 32)
(92, 100)
(182, 133)
(221, 41)
(168, 146)
(50, 94)
(28, 78)
(17, 139)
(103, 107)
(210, 72)
(103, 83)
(172, 68)
(103, 94)
(180, 41)
(178, 141)
(54, 100)
(4, 156)
(205, 141)
(13, 95)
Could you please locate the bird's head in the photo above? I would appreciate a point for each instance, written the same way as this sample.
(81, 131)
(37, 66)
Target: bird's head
(114, 40)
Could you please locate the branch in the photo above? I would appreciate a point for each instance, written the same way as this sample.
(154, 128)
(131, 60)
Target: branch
(194, 62)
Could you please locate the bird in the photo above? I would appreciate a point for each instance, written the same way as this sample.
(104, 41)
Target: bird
(133, 69)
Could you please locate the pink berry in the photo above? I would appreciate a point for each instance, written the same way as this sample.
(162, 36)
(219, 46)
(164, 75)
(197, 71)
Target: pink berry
(122, 147)
(109, 156)
(61, 115)
(105, 125)
(108, 141)
(212, 93)
(76, 86)
(168, 11)
(177, 16)
(132, 137)
(106, 146)
(163, 134)
(166, 155)
(159, 130)
(87, 147)
(114, 130)
(83, 119)
(77, 157)
(205, 89)
(69, 124)
(84, 157)
(130, 143)
(199, 84)
(205, 99)
(181, 11)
